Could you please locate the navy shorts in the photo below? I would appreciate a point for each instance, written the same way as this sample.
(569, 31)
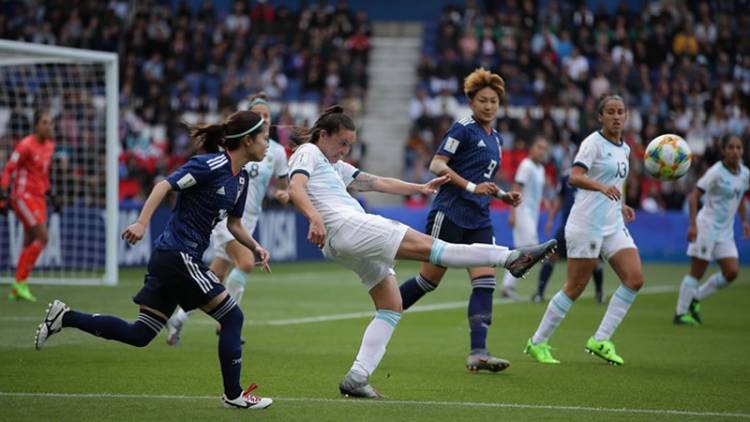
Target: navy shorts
(440, 227)
(562, 246)
(175, 278)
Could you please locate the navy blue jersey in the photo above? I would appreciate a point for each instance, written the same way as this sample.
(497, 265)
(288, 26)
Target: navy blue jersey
(475, 155)
(567, 194)
(208, 191)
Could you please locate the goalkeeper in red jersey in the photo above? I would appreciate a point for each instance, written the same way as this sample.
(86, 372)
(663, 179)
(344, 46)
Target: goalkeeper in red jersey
(27, 176)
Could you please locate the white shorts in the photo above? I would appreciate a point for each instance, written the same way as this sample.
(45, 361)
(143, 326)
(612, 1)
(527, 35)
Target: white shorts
(710, 250)
(524, 233)
(584, 245)
(221, 235)
(366, 244)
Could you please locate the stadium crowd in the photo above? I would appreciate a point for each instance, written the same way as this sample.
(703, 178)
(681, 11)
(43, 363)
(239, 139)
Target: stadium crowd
(682, 67)
(177, 62)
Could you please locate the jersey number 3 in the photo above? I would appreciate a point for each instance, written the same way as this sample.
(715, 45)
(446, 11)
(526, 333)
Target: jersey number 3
(622, 169)
(490, 168)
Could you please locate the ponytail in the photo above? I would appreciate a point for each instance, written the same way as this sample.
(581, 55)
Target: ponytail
(227, 135)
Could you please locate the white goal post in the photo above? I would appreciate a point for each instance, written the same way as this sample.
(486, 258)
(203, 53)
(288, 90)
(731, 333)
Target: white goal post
(79, 88)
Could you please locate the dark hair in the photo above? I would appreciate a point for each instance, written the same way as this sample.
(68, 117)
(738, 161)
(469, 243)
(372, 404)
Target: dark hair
(211, 138)
(38, 114)
(605, 99)
(728, 137)
(332, 119)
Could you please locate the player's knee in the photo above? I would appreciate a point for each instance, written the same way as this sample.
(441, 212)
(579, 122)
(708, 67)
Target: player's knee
(634, 282)
(245, 266)
(233, 319)
(730, 274)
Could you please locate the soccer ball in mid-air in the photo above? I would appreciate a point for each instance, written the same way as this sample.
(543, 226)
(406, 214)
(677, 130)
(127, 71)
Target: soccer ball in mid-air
(667, 157)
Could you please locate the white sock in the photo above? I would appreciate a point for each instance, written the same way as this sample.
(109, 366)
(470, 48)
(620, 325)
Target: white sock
(236, 284)
(467, 256)
(688, 289)
(616, 311)
(376, 338)
(179, 317)
(557, 308)
(509, 281)
(714, 283)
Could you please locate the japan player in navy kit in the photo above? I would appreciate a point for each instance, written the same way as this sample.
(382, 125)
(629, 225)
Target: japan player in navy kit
(211, 187)
(470, 153)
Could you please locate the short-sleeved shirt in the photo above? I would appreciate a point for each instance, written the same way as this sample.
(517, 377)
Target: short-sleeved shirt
(475, 155)
(208, 192)
(531, 176)
(28, 167)
(723, 192)
(607, 163)
(327, 184)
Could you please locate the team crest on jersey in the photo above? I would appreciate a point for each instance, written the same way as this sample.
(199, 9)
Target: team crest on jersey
(592, 246)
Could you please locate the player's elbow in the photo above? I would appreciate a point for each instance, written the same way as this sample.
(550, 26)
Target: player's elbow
(438, 167)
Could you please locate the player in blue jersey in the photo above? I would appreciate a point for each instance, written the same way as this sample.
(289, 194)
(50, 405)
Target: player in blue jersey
(596, 226)
(470, 154)
(566, 196)
(230, 257)
(711, 230)
(368, 244)
(211, 187)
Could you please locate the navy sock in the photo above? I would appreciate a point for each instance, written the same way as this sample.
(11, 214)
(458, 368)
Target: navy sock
(598, 277)
(413, 289)
(229, 315)
(480, 310)
(138, 334)
(544, 275)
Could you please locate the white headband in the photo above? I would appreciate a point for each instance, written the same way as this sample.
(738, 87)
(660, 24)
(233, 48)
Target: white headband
(257, 125)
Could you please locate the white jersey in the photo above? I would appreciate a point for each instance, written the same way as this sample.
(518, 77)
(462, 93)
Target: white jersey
(260, 173)
(531, 176)
(607, 163)
(327, 184)
(723, 191)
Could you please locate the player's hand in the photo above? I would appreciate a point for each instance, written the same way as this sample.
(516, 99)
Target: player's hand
(628, 213)
(431, 187)
(512, 220)
(611, 192)
(262, 256)
(692, 233)
(317, 232)
(513, 199)
(486, 188)
(282, 196)
(745, 230)
(134, 232)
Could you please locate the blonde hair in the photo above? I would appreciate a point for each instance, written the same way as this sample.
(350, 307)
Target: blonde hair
(483, 78)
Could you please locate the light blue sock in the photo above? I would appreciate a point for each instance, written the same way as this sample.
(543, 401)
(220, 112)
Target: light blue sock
(374, 342)
(711, 286)
(618, 307)
(236, 284)
(557, 308)
(688, 289)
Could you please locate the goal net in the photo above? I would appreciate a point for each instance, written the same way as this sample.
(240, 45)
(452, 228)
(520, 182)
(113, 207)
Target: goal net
(79, 90)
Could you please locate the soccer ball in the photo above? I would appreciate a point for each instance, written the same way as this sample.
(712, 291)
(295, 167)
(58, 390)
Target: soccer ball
(667, 157)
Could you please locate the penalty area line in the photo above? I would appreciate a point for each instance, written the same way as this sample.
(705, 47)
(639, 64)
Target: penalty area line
(386, 402)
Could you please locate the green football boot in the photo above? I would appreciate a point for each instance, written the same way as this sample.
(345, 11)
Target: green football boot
(686, 319)
(20, 291)
(605, 350)
(540, 352)
(695, 310)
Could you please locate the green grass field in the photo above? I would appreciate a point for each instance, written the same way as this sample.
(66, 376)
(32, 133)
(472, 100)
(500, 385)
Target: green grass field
(303, 327)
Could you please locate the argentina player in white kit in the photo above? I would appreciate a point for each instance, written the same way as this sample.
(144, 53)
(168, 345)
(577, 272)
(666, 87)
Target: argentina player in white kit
(524, 219)
(596, 226)
(368, 244)
(711, 231)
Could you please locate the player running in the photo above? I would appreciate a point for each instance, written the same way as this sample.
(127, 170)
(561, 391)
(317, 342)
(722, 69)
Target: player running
(529, 181)
(596, 226)
(470, 154)
(28, 170)
(211, 187)
(565, 197)
(368, 244)
(228, 251)
(711, 233)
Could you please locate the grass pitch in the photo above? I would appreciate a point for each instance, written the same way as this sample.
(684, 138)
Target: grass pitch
(303, 327)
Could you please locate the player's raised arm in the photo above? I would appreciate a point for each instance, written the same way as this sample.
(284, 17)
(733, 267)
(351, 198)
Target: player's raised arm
(134, 232)
(364, 182)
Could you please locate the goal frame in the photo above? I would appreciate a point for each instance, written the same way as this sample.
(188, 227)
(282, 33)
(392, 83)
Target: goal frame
(30, 53)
